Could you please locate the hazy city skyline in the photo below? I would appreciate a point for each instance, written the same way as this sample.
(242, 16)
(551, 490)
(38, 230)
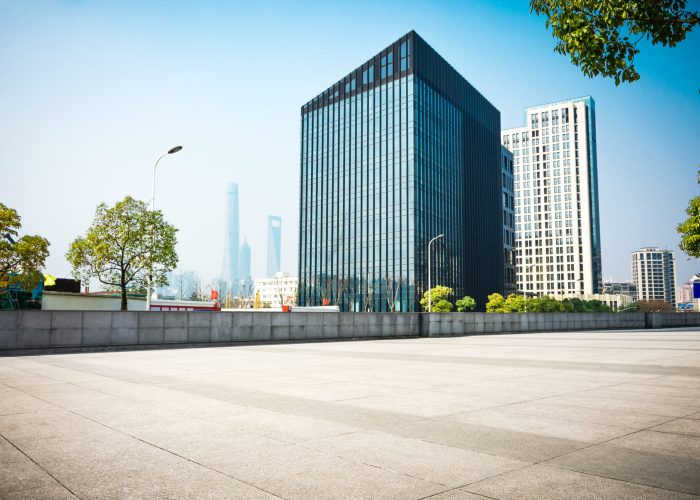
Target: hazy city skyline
(97, 92)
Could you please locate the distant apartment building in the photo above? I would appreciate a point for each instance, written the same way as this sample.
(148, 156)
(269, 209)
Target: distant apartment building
(654, 274)
(685, 296)
(556, 199)
(627, 288)
(684, 293)
(274, 245)
(397, 152)
(509, 274)
(279, 290)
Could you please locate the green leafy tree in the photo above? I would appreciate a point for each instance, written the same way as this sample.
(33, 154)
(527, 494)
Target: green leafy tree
(567, 306)
(123, 245)
(690, 228)
(601, 36)
(21, 258)
(465, 304)
(495, 303)
(440, 299)
(514, 304)
(598, 307)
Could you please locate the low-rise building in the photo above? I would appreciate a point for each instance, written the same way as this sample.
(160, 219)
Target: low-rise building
(615, 301)
(106, 301)
(277, 291)
(621, 288)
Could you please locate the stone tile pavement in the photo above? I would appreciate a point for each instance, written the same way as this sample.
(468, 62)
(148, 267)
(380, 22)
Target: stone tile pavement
(548, 415)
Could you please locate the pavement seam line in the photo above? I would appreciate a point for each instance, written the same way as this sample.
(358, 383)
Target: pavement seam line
(301, 445)
(554, 466)
(143, 441)
(617, 479)
(487, 361)
(40, 466)
(373, 465)
(455, 489)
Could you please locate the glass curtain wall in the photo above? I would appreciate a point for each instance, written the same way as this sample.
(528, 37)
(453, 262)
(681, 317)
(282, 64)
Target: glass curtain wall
(357, 187)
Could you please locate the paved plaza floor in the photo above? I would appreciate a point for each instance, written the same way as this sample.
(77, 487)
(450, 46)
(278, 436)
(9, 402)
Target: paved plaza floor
(549, 415)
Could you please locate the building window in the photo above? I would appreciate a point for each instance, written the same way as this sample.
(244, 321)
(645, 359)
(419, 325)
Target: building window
(387, 65)
(368, 75)
(405, 54)
(350, 86)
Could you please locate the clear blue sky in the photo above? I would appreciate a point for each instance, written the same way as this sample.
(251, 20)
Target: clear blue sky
(92, 92)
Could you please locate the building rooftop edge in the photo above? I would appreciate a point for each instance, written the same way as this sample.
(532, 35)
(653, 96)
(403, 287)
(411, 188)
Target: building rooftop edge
(587, 98)
(652, 249)
(563, 101)
(338, 82)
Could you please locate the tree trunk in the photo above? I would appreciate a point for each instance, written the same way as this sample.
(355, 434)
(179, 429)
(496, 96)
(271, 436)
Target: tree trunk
(124, 303)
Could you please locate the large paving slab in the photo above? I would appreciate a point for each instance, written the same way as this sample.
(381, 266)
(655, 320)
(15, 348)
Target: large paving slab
(542, 415)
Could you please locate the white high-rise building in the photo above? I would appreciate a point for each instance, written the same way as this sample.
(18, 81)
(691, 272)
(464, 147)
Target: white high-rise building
(654, 273)
(557, 223)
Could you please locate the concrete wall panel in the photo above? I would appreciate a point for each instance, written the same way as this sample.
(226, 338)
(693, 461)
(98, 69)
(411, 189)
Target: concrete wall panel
(9, 326)
(222, 327)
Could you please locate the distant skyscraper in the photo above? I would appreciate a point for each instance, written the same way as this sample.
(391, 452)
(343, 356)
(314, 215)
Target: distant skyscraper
(181, 286)
(274, 245)
(229, 271)
(556, 199)
(244, 267)
(654, 273)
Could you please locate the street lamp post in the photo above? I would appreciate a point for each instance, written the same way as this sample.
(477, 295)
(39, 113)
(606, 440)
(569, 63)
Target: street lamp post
(153, 208)
(430, 301)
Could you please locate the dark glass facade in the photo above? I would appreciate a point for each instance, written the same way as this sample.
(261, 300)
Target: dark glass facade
(399, 151)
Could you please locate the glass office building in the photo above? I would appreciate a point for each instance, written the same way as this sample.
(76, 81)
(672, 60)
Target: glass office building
(399, 151)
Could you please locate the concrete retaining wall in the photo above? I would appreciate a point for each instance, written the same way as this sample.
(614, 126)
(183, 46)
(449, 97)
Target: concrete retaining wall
(21, 330)
(449, 324)
(26, 331)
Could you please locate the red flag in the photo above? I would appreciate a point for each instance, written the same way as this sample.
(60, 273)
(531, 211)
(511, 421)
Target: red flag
(214, 295)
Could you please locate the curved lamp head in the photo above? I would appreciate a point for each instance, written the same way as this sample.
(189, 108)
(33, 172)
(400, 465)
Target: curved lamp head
(174, 150)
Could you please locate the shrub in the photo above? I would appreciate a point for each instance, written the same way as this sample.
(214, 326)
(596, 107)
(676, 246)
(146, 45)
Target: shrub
(495, 303)
(465, 304)
(439, 296)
